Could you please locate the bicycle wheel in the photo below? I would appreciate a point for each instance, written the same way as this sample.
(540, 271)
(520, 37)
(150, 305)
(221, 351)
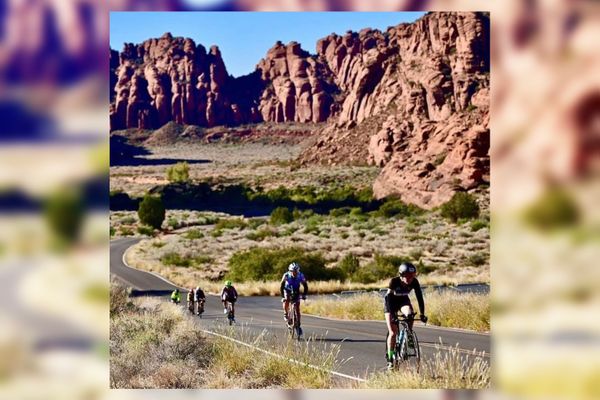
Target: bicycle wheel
(417, 349)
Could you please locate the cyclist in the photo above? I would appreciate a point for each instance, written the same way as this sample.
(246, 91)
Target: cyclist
(290, 284)
(229, 294)
(190, 300)
(396, 299)
(199, 298)
(175, 296)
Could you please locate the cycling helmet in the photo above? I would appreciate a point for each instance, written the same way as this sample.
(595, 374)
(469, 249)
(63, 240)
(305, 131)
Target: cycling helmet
(406, 267)
(294, 267)
(228, 283)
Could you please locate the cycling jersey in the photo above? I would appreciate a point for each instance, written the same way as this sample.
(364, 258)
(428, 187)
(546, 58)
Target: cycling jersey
(291, 284)
(398, 297)
(229, 294)
(199, 295)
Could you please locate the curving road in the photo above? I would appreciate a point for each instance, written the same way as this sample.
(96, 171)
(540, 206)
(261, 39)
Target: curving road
(361, 343)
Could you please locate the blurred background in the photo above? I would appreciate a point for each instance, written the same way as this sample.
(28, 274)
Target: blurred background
(545, 194)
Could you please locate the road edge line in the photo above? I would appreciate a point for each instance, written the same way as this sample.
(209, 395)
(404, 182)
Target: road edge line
(335, 373)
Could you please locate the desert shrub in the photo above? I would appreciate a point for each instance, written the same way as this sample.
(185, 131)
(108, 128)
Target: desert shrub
(256, 222)
(112, 231)
(145, 230)
(270, 264)
(554, 209)
(281, 215)
(128, 220)
(262, 234)
(152, 211)
(173, 223)
(461, 205)
(119, 299)
(349, 264)
(479, 224)
(395, 207)
(338, 212)
(179, 173)
(302, 214)
(64, 214)
(382, 267)
(175, 259)
(477, 259)
(125, 231)
(193, 234)
(231, 223)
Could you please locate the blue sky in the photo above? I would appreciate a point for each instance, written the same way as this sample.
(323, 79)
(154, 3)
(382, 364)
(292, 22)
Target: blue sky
(245, 37)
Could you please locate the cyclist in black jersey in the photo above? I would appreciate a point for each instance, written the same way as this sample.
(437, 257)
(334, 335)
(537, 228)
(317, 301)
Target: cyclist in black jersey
(396, 299)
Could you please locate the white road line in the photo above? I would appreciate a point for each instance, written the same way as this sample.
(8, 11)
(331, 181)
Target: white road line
(335, 373)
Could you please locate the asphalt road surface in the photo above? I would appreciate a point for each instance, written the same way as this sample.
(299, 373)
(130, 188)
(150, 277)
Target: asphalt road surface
(361, 343)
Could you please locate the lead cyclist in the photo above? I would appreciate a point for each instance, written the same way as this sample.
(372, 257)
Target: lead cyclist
(290, 283)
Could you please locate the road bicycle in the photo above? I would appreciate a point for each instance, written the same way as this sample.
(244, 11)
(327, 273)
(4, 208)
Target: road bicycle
(407, 350)
(293, 321)
(230, 316)
(200, 308)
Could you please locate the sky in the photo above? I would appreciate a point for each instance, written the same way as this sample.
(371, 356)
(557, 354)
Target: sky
(245, 37)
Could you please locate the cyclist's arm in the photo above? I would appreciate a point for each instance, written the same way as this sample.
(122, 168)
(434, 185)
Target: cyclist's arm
(419, 296)
(305, 284)
(282, 286)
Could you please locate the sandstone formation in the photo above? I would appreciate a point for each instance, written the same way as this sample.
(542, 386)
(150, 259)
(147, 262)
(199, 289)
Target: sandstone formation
(413, 100)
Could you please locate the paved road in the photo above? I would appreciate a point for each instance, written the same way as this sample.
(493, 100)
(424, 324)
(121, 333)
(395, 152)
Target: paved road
(361, 343)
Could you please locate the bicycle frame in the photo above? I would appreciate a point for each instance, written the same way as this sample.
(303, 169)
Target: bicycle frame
(407, 343)
(293, 322)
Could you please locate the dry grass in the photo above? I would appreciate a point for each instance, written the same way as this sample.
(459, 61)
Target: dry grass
(446, 370)
(154, 344)
(447, 309)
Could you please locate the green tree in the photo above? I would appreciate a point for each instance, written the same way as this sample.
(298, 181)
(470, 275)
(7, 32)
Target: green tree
(64, 214)
(179, 173)
(152, 211)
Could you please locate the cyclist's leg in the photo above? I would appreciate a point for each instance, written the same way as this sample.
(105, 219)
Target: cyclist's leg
(407, 310)
(298, 309)
(286, 307)
(392, 331)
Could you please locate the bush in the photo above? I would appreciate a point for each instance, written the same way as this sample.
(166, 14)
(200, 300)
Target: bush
(477, 259)
(261, 264)
(349, 264)
(173, 223)
(479, 224)
(461, 205)
(382, 267)
(281, 215)
(145, 230)
(112, 231)
(179, 173)
(64, 214)
(175, 259)
(302, 214)
(194, 234)
(152, 211)
(395, 207)
(555, 209)
(338, 212)
(262, 234)
(231, 223)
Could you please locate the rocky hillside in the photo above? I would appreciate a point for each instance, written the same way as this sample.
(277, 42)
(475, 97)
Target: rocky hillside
(413, 100)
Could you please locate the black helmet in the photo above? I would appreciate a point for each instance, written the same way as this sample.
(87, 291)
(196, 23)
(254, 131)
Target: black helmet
(406, 268)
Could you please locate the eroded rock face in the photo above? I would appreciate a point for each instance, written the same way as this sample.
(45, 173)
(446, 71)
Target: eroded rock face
(413, 100)
(417, 99)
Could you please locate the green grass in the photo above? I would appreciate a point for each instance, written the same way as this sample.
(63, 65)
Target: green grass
(193, 234)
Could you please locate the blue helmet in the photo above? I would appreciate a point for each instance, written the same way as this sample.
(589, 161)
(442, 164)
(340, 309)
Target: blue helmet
(294, 267)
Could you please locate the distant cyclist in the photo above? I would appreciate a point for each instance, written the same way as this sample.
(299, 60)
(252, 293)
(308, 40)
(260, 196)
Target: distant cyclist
(199, 299)
(176, 296)
(190, 300)
(290, 290)
(229, 294)
(396, 299)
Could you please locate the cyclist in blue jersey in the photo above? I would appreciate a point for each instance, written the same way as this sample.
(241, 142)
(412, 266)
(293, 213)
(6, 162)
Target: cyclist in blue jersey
(290, 290)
